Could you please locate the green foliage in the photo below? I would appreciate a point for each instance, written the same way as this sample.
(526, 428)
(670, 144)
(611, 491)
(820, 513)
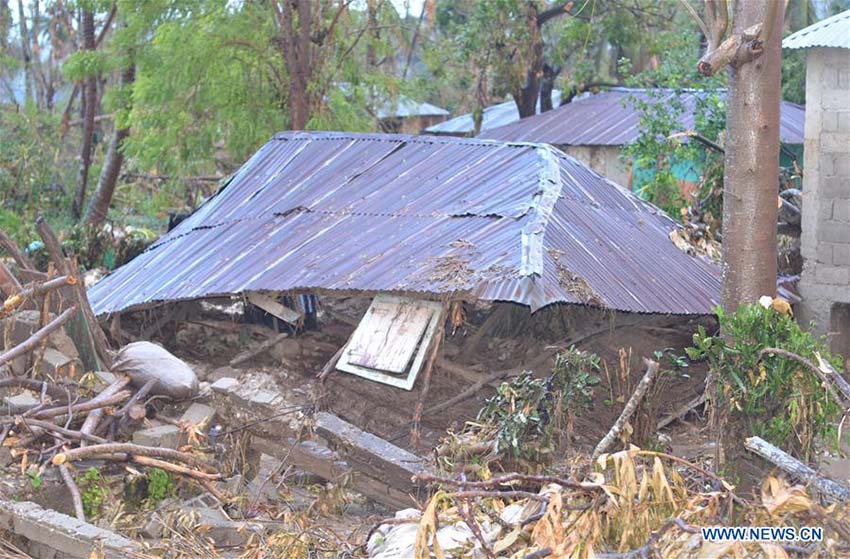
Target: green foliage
(773, 397)
(34, 477)
(160, 485)
(93, 491)
(527, 412)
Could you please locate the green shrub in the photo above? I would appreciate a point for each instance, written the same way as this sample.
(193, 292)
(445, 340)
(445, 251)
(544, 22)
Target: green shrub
(767, 395)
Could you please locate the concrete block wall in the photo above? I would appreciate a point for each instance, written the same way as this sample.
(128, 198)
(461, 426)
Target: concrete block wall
(825, 242)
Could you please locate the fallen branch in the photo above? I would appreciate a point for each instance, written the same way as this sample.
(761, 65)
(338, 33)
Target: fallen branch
(20, 259)
(90, 405)
(53, 390)
(642, 387)
(90, 424)
(255, 351)
(9, 284)
(829, 488)
(33, 341)
(119, 415)
(16, 300)
(53, 428)
(74, 491)
(82, 453)
(680, 412)
(825, 372)
(174, 468)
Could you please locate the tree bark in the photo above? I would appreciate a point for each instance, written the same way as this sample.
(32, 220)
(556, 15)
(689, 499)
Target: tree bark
(547, 84)
(89, 99)
(102, 198)
(526, 96)
(752, 165)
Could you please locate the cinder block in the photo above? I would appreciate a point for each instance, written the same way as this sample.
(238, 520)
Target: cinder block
(164, 436)
(199, 414)
(832, 231)
(833, 275)
(225, 384)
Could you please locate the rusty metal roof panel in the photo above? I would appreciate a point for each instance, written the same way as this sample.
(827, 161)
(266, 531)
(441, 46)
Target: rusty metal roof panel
(611, 118)
(832, 32)
(419, 214)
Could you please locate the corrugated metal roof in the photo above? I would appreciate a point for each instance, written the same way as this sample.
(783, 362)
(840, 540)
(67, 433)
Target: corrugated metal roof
(420, 214)
(610, 118)
(404, 107)
(494, 116)
(831, 32)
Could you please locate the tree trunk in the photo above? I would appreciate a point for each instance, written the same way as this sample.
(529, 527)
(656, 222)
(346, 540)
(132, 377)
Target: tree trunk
(25, 52)
(102, 198)
(89, 98)
(752, 164)
(526, 96)
(546, 86)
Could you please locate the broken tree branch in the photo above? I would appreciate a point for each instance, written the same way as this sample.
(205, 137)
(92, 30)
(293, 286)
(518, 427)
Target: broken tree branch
(642, 387)
(829, 488)
(92, 420)
(173, 468)
(13, 302)
(74, 491)
(82, 453)
(63, 411)
(20, 259)
(33, 341)
(9, 284)
(734, 51)
(828, 375)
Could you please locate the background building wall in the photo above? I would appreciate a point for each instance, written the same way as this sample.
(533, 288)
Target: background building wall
(825, 282)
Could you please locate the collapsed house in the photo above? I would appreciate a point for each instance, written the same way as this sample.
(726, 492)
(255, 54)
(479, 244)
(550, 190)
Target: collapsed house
(595, 128)
(425, 230)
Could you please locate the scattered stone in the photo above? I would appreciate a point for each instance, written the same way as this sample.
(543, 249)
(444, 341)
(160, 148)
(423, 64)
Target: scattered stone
(264, 397)
(225, 384)
(199, 415)
(24, 323)
(24, 400)
(143, 361)
(165, 436)
(221, 372)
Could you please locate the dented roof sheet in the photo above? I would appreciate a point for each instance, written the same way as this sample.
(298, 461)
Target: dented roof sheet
(420, 215)
(610, 118)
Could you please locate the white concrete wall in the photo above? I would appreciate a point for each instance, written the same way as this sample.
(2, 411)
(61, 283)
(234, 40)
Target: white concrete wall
(825, 238)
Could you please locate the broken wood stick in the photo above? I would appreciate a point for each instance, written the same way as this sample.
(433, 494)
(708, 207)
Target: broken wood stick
(33, 341)
(20, 259)
(76, 498)
(62, 411)
(680, 412)
(84, 330)
(14, 301)
(53, 428)
(90, 424)
(637, 396)
(828, 375)
(255, 351)
(81, 453)
(173, 468)
(53, 390)
(734, 51)
(119, 415)
(827, 487)
(9, 284)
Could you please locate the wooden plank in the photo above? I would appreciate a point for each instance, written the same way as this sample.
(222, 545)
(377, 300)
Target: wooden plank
(389, 334)
(273, 307)
(371, 454)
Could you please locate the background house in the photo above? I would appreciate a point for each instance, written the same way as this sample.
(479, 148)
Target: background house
(825, 282)
(596, 127)
(404, 115)
(494, 116)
